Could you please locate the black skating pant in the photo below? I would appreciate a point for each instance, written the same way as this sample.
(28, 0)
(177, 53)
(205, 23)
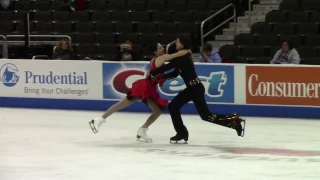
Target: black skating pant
(196, 94)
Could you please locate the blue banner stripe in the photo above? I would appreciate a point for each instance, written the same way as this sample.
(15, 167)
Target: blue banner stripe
(98, 105)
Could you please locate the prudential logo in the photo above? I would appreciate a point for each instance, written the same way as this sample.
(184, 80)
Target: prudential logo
(9, 75)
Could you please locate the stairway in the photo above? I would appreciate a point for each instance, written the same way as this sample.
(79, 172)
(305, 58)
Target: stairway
(258, 14)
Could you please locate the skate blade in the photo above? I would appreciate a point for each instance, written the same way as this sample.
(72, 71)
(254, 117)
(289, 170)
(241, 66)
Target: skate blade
(178, 142)
(243, 123)
(94, 130)
(144, 141)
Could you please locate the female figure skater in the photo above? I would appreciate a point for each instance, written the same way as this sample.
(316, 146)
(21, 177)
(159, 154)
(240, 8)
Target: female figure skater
(194, 91)
(144, 90)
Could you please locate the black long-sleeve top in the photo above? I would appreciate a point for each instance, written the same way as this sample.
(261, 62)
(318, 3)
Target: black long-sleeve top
(183, 65)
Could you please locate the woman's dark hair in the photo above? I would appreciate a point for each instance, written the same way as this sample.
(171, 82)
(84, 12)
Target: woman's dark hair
(153, 47)
(290, 44)
(185, 39)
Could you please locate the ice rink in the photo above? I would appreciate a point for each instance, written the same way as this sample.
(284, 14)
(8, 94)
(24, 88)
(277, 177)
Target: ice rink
(59, 145)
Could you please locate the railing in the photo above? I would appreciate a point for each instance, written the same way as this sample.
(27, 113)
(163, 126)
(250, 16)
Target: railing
(250, 10)
(234, 17)
(168, 45)
(44, 36)
(4, 47)
(42, 57)
(6, 42)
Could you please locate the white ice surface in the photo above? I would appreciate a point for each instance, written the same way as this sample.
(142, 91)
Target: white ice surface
(59, 145)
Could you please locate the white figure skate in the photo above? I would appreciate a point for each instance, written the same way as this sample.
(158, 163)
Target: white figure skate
(96, 123)
(142, 133)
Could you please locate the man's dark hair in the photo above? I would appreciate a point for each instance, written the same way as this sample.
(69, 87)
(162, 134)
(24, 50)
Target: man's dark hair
(185, 39)
(207, 47)
(290, 44)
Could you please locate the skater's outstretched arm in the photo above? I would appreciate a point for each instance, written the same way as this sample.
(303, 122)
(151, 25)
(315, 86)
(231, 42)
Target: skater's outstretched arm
(159, 61)
(177, 54)
(168, 57)
(170, 75)
(152, 75)
(172, 62)
(162, 69)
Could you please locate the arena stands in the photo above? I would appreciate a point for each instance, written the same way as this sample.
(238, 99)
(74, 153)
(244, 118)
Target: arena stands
(108, 23)
(296, 20)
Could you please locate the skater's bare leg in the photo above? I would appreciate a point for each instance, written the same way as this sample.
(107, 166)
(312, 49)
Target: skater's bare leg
(118, 106)
(97, 122)
(156, 112)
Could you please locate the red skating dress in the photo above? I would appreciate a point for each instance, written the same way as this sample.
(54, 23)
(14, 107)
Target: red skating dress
(145, 89)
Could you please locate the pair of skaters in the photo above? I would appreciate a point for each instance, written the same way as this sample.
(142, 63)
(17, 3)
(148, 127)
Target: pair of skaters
(145, 90)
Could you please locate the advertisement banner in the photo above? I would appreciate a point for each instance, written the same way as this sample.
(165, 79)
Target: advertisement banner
(50, 79)
(217, 79)
(283, 85)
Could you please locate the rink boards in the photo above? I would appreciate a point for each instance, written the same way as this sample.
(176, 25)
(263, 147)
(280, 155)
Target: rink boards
(251, 90)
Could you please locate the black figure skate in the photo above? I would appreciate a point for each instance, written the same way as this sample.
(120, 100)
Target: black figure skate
(180, 137)
(184, 135)
(240, 126)
(232, 121)
(240, 123)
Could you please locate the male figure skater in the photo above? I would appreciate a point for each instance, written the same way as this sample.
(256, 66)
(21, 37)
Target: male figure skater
(194, 91)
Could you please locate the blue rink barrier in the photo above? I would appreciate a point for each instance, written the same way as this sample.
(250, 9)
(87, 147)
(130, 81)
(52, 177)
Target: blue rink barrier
(242, 88)
(98, 105)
